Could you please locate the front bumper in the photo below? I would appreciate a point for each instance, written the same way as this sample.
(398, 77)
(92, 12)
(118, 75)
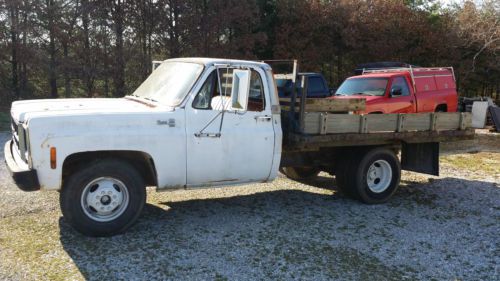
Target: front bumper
(25, 179)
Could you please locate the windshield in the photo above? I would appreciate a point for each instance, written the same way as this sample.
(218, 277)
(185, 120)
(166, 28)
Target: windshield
(170, 82)
(363, 86)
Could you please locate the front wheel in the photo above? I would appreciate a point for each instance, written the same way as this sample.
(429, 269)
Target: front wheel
(103, 199)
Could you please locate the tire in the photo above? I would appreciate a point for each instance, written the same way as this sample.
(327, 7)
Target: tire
(440, 109)
(342, 174)
(373, 177)
(300, 173)
(104, 199)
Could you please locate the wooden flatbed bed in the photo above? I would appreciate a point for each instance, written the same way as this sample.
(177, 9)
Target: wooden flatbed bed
(313, 136)
(322, 130)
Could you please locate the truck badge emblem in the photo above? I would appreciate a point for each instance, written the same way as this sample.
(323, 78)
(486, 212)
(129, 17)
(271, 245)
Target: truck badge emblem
(170, 122)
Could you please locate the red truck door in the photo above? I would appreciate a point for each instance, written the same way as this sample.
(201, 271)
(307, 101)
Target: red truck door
(401, 98)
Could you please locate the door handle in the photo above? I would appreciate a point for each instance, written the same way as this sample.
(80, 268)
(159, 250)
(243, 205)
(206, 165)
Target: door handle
(263, 118)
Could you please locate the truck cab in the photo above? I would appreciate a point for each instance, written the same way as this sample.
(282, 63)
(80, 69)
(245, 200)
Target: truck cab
(194, 122)
(402, 90)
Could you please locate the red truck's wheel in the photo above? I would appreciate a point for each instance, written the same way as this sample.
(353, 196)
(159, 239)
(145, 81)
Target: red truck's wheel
(300, 173)
(103, 199)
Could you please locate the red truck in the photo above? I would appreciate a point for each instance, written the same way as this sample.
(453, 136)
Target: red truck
(403, 90)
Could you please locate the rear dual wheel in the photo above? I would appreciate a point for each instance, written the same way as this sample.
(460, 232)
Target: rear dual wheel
(371, 177)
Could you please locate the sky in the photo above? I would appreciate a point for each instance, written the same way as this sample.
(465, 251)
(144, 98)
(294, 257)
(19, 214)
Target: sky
(448, 2)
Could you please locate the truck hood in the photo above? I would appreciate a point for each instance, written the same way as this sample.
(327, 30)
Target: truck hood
(369, 99)
(22, 111)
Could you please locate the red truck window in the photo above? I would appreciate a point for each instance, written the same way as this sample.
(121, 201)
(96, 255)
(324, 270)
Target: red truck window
(401, 83)
(363, 86)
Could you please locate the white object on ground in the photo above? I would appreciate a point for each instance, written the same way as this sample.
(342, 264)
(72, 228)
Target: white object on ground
(479, 109)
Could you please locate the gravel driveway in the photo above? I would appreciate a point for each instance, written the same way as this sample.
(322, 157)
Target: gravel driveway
(441, 228)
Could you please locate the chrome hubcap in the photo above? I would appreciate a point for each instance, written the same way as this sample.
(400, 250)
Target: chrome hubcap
(379, 176)
(104, 199)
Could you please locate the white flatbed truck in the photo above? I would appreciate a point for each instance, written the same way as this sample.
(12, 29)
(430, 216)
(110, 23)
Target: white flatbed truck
(201, 122)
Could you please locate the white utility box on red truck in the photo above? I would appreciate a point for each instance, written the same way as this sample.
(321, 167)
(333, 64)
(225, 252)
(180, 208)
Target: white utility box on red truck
(200, 122)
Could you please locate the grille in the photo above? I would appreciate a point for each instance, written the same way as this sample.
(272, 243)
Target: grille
(15, 130)
(19, 138)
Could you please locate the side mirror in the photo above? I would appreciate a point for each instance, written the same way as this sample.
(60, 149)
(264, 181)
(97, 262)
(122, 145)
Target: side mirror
(396, 91)
(240, 89)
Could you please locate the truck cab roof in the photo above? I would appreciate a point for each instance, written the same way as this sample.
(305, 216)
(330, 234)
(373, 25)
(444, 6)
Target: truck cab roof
(213, 61)
(380, 75)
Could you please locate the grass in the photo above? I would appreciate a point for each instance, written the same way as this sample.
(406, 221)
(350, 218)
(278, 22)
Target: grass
(35, 251)
(482, 162)
(4, 121)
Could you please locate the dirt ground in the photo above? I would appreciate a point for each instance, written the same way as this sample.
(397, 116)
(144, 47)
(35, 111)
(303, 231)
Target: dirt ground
(435, 228)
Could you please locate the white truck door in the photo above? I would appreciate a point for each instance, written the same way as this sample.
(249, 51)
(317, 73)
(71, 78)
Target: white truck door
(226, 147)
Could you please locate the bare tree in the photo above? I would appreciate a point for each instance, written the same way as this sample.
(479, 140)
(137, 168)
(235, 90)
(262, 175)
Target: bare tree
(480, 29)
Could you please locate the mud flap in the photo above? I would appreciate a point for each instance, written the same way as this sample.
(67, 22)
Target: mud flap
(421, 158)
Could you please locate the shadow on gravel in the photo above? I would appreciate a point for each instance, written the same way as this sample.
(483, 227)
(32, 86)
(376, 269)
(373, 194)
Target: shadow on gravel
(322, 182)
(288, 234)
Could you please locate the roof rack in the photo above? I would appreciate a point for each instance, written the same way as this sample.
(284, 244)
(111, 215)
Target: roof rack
(391, 69)
(399, 69)
(411, 70)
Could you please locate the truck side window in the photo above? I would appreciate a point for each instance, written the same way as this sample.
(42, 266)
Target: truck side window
(256, 100)
(316, 85)
(401, 82)
(209, 96)
(204, 96)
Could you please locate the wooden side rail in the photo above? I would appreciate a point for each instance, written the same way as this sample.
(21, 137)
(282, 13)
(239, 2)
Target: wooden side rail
(317, 123)
(326, 105)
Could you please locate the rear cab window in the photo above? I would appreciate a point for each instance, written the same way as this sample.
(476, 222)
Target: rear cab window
(316, 85)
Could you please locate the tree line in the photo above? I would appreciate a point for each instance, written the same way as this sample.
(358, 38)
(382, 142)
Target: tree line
(88, 48)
